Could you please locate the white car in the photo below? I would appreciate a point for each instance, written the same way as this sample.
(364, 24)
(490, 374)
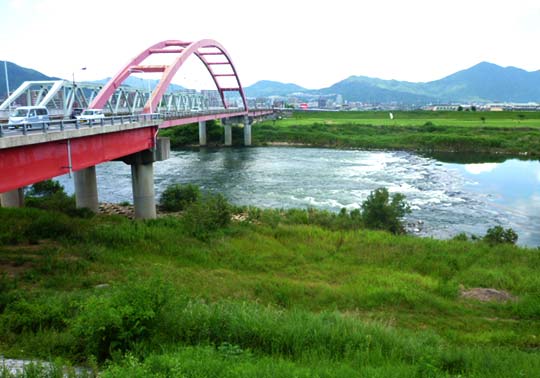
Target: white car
(30, 116)
(91, 115)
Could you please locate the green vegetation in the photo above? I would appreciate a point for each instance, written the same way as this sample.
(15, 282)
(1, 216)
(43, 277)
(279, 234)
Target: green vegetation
(498, 235)
(494, 132)
(177, 197)
(510, 133)
(273, 293)
(380, 212)
(188, 135)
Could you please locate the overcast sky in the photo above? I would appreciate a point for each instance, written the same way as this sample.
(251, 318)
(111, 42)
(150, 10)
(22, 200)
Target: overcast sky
(307, 42)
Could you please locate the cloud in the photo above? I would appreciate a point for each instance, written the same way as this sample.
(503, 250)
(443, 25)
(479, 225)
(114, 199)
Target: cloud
(477, 169)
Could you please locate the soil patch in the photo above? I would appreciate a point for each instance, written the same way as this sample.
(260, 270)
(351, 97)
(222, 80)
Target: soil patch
(487, 294)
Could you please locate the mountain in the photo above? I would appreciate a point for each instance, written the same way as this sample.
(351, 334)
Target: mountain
(17, 75)
(267, 88)
(484, 82)
(488, 82)
(364, 89)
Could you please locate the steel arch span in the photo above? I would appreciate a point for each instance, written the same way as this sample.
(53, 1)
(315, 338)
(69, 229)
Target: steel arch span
(207, 50)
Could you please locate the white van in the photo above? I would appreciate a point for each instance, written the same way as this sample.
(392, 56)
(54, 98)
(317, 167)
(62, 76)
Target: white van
(34, 117)
(90, 115)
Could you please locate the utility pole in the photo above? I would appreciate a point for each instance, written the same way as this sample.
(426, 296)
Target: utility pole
(7, 79)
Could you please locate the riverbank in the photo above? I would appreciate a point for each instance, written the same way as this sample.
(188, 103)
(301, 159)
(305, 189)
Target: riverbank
(506, 133)
(496, 133)
(270, 295)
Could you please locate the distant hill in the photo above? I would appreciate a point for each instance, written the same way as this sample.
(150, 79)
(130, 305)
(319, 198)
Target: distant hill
(17, 75)
(364, 89)
(266, 88)
(487, 82)
(484, 82)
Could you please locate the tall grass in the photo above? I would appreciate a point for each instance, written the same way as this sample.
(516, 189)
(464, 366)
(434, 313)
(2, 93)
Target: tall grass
(283, 290)
(419, 131)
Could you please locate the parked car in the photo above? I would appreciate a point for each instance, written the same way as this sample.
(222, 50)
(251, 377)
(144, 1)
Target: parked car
(91, 115)
(76, 112)
(34, 117)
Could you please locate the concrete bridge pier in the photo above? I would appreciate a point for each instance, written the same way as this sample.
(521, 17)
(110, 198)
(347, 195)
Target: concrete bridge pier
(228, 133)
(86, 191)
(142, 177)
(247, 131)
(202, 133)
(13, 198)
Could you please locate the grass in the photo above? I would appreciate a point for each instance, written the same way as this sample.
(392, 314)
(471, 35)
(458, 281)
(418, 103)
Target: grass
(274, 296)
(500, 132)
(510, 133)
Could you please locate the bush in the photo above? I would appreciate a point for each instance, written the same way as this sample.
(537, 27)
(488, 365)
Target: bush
(50, 195)
(499, 235)
(208, 214)
(381, 211)
(178, 197)
(45, 188)
(116, 321)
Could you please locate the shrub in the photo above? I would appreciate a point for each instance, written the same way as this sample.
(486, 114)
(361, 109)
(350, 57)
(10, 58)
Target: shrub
(177, 197)
(50, 195)
(45, 188)
(208, 214)
(381, 211)
(462, 236)
(499, 235)
(116, 321)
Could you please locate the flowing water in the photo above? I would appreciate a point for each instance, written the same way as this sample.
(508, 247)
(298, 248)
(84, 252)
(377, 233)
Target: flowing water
(446, 198)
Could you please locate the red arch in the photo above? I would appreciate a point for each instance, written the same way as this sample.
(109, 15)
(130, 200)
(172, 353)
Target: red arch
(184, 51)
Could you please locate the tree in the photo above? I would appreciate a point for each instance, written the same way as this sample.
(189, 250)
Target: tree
(45, 188)
(384, 212)
(499, 235)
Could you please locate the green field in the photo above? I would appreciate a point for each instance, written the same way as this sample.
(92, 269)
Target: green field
(510, 133)
(273, 295)
(418, 118)
(492, 133)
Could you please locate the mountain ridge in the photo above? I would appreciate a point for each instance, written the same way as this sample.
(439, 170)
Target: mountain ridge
(483, 82)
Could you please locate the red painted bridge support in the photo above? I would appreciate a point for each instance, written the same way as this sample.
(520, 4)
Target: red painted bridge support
(28, 164)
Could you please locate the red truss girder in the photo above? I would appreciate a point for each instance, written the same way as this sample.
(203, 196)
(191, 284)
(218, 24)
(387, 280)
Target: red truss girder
(32, 163)
(184, 51)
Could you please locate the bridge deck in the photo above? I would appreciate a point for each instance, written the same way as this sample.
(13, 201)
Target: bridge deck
(29, 156)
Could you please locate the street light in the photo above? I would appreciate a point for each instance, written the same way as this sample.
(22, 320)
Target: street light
(74, 86)
(133, 70)
(73, 76)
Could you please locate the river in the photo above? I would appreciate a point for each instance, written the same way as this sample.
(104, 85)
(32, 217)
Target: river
(446, 198)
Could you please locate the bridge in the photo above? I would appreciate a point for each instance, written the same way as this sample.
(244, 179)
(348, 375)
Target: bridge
(61, 146)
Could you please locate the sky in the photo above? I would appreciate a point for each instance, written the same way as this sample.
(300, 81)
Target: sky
(310, 43)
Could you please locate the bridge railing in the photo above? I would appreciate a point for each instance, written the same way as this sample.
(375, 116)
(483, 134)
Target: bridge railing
(186, 114)
(8, 129)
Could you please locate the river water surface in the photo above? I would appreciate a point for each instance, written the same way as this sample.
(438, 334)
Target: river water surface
(446, 198)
